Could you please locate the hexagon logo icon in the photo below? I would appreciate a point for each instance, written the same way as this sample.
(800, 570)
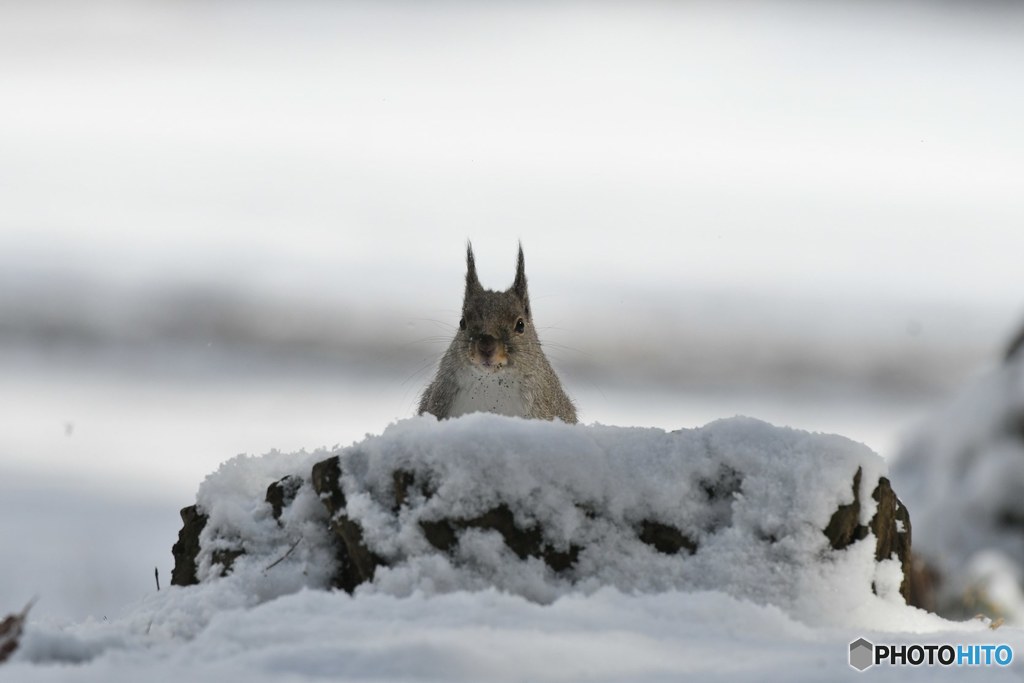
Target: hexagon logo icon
(862, 654)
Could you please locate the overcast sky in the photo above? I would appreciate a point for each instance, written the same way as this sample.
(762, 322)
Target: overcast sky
(870, 149)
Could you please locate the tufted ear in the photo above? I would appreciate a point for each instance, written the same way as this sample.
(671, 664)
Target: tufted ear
(472, 282)
(519, 286)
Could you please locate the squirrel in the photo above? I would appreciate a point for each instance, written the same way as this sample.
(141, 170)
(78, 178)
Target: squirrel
(495, 363)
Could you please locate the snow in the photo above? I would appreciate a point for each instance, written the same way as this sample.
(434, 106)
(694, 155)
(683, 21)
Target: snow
(550, 473)
(763, 582)
(606, 636)
(961, 475)
(460, 636)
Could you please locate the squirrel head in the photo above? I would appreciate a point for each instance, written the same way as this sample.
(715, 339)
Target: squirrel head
(496, 328)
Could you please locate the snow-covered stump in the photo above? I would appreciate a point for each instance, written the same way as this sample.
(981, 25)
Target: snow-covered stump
(539, 509)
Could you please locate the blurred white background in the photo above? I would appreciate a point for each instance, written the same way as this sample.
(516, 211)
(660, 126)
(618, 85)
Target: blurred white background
(228, 227)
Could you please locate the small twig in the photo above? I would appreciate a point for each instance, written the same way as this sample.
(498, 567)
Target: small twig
(10, 631)
(285, 556)
(156, 573)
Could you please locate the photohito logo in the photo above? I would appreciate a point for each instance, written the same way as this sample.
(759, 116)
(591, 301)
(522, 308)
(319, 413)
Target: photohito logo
(865, 654)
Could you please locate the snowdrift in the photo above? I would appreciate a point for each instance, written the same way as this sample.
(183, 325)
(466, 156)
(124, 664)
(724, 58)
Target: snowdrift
(543, 509)
(962, 474)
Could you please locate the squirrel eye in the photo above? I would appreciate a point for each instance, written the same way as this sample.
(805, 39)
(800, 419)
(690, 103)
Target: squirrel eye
(520, 326)
(462, 324)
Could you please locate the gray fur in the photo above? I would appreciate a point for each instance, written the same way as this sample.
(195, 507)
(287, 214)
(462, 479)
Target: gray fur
(512, 378)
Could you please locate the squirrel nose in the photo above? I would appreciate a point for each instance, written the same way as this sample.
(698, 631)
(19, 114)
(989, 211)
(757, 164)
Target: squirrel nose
(486, 344)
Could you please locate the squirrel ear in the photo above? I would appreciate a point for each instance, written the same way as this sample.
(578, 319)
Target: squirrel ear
(519, 286)
(472, 282)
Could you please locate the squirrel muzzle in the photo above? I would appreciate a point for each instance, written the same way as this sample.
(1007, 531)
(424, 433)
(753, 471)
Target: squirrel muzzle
(488, 352)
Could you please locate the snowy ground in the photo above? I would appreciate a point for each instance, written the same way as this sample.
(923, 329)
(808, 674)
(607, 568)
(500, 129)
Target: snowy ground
(606, 636)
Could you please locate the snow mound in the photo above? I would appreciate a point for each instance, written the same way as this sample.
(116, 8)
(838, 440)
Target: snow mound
(962, 474)
(544, 509)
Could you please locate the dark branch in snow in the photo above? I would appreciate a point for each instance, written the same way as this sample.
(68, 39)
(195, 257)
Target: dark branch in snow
(285, 556)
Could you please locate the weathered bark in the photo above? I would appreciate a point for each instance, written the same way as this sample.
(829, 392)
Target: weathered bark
(186, 550)
(890, 526)
(356, 563)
